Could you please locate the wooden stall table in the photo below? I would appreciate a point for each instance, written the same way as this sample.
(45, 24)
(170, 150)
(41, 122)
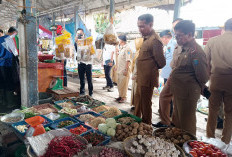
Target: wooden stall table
(46, 71)
(63, 93)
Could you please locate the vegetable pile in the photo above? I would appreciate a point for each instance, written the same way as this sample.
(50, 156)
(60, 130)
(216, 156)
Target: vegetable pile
(21, 128)
(203, 149)
(65, 146)
(174, 135)
(96, 121)
(108, 152)
(94, 138)
(112, 112)
(65, 123)
(152, 146)
(109, 127)
(126, 120)
(78, 130)
(67, 104)
(100, 108)
(123, 131)
(86, 117)
(69, 111)
(12, 119)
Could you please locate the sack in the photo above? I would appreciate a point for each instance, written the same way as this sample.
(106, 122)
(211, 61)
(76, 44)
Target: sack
(110, 36)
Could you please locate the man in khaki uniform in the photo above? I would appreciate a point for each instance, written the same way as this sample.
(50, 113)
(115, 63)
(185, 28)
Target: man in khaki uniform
(188, 76)
(150, 59)
(123, 68)
(219, 57)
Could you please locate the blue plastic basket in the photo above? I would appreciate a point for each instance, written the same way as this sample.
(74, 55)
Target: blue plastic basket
(77, 125)
(105, 142)
(90, 112)
(49, 121)
(56, 122)
(61, 101)
(20, 123)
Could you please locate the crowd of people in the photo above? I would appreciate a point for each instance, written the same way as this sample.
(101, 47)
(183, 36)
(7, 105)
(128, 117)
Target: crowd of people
(186, 68)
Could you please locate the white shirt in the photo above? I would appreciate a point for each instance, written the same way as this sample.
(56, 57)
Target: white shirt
(107, 52)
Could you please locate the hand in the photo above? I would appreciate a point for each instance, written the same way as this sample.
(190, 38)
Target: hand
(110, 64)
(125, 73)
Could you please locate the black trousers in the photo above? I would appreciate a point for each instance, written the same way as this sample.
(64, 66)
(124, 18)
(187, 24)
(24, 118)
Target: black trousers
(65, 74)
(83, 70)
(107, 70)
(171, 107)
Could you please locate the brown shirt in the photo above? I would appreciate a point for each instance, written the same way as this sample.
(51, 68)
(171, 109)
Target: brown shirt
(219, 54)
(150, 59)
(189, 68)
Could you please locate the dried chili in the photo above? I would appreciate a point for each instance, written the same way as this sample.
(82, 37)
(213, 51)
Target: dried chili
(94, 138)
(78, 130)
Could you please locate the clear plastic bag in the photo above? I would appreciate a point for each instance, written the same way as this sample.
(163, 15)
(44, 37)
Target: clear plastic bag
(110, 36)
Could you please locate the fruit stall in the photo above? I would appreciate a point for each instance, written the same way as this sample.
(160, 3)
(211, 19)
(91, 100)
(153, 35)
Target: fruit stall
(83, 126)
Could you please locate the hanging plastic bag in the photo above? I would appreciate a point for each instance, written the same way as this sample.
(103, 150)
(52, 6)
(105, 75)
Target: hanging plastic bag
(110, 36)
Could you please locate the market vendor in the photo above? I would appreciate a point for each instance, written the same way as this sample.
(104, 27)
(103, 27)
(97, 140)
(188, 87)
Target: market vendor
(123, 68)
(9, 72)
(219, 57)
(188, 76)
(85, 61)
(150, 59)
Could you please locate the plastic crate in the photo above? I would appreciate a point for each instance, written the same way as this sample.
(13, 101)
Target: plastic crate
(20, 123)
(56, 122)
(105, 142)
(79, 124)
(49, 121)
(62, 101)
(90, 112)
(137, 119)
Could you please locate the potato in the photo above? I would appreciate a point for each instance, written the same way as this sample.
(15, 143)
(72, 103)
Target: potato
(135, 125)
(119, 131)
(124, 126)
(126, 130)
(140, 128)
(123, 133)
(130, 128)
(119, 126)
(145, 132)
(131, 134)
(141, 133)
(134, 131)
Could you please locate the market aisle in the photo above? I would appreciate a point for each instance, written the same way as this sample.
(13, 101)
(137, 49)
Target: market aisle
(108, 98)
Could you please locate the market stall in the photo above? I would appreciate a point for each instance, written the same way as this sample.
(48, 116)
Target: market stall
(84, 126)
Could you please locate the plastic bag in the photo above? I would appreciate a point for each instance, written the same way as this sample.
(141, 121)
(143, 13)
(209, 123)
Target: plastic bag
(110, 36)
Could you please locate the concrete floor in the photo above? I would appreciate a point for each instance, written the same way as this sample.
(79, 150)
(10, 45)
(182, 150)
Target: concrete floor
(108, 98)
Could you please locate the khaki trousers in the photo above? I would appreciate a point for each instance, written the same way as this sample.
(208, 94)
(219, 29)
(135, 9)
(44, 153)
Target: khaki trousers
(133, 92)
(122, 84)
(221, 92)
(114, 74)
(143, 103)
(164, 104)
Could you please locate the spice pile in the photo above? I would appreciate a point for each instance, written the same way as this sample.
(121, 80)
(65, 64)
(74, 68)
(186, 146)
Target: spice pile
(94, 138)
(64, 146)
(65, 123)
(152, 146)
(203, 149)
(123, 131)
(100, 108)
(96, 121)
(86, 117)
(78, 130)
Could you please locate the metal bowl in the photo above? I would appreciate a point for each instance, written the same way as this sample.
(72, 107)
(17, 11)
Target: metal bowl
(12, 115)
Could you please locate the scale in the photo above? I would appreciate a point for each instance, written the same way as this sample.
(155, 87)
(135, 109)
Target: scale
(56, 83)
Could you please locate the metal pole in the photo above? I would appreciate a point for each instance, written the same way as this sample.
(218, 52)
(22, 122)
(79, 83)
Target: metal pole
(53, 32)
(177, 6)
(22, 57)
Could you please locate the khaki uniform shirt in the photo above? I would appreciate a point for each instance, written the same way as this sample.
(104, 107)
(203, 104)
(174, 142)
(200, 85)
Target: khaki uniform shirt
(219, 54)
(150, 59)
(189, 69)
(123, 57)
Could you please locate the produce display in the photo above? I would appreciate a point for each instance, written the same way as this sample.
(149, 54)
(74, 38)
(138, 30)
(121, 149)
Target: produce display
(21, 128)
(78, 130)
(112, 112)
(65, 123)
(126, 120)
(108, 127)
(90, 102)
(148, 146)
(94, 138)
(69, 111)
(28, 113)
(203, 149)
(64, 146)
(123, 131)
(83, 109)
(86, 117)
(174, 135)
(96, 121)
(100, 108)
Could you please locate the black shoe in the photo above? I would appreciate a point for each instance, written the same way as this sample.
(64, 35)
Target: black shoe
(117, 99)
(114, 83)
(159, 125)
(206, 119)
(106, 87)
(132, 108)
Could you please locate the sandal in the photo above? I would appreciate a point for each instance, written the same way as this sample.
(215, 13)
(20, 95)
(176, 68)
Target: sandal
(122, 100)
(118, 99)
